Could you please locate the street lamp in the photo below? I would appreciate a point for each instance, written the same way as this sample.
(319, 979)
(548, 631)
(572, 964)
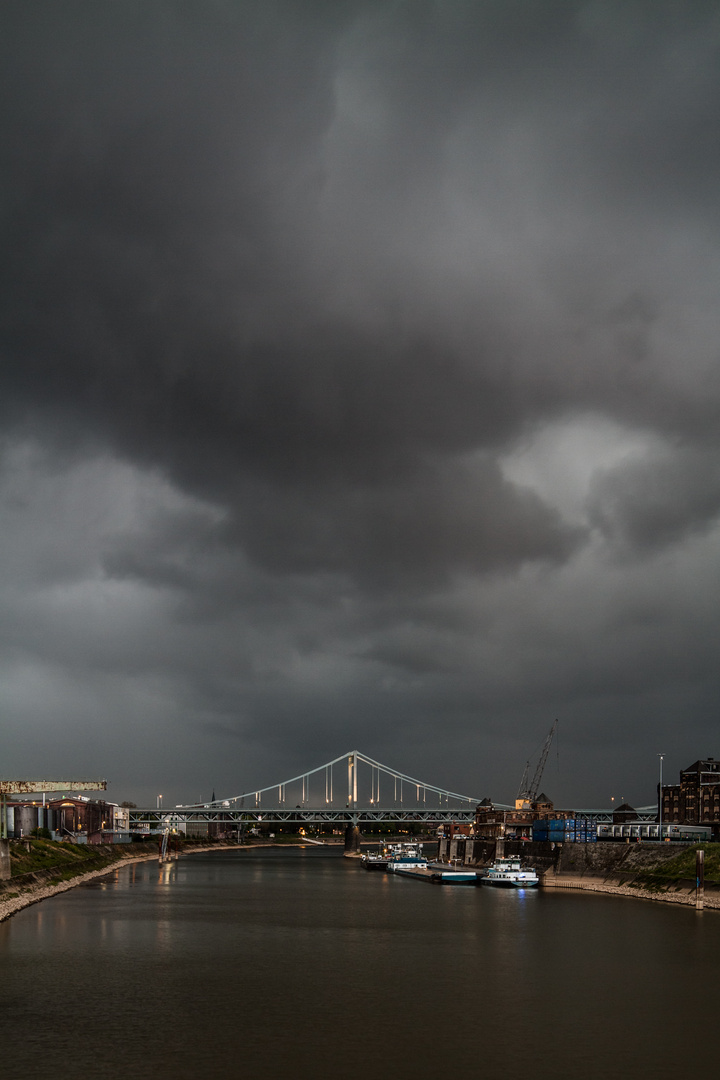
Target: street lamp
(661, 756)
(159, 802)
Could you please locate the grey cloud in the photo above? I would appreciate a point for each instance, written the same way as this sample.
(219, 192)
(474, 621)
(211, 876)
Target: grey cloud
(282, 287)
(643, 505)
(431, 524)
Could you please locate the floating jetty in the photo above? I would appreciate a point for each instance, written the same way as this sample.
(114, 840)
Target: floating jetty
(439, 875)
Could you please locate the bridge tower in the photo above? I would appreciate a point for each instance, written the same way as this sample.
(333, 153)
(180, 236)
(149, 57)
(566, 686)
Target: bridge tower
(353, 836)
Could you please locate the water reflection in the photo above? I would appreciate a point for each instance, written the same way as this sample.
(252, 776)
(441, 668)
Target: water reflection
(265, 962)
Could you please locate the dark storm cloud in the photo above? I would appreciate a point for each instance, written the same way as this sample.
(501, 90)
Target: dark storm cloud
(321, 281)
(647, 504)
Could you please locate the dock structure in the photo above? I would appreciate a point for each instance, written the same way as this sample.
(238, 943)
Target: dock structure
(439, 875)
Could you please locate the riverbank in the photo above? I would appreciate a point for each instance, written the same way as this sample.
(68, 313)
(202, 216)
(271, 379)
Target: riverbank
(683, 895)
(682, 892)
(645, 871)
(14, 899)
(12, 902)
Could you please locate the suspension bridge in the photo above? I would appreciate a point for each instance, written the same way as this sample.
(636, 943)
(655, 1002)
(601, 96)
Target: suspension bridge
(351, 789)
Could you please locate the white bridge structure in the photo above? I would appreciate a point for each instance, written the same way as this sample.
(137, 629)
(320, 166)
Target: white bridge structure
(350, 789)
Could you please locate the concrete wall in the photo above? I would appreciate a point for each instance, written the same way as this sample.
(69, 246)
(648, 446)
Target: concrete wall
(599, 860)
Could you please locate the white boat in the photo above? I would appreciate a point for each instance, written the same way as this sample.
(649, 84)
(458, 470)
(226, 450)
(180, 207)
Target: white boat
(396, 856)
(407, 857)
(407, 862)
(509, 872)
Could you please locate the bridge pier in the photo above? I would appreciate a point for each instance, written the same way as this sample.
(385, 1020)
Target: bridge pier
(353, 837)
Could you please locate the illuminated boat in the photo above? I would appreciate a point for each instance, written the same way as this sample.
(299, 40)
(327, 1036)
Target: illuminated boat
(508, 872)
(396, 857)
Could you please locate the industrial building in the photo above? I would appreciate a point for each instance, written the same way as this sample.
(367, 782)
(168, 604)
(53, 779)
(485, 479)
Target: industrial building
(696, 799)
(75, 818)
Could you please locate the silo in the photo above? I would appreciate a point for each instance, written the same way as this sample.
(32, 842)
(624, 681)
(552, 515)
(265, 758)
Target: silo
(25, 820)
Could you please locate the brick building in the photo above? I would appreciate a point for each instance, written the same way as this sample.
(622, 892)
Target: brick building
(493, 822)
(77, 818)
(696, 799)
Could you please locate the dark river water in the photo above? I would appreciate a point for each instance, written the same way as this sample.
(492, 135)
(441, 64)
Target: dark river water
(302, 964)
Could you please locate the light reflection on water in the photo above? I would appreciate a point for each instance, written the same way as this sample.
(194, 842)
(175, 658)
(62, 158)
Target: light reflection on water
(253, 963)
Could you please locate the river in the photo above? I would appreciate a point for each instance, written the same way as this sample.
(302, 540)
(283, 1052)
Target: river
(299, 963)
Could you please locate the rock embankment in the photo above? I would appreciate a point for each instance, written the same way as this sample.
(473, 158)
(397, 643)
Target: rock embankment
(683, 895)
(30, 889)
(10, 902)
(647, 871)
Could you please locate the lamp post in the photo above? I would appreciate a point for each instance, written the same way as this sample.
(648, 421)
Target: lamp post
(159, 802)
(661, 756)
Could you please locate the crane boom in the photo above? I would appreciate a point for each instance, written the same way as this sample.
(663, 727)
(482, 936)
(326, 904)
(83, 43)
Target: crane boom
(29, 787)
(535, 786)
(523, 789)
(527, 794)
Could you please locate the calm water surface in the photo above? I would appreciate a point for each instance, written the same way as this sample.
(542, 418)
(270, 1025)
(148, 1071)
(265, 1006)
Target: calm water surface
(301, 963)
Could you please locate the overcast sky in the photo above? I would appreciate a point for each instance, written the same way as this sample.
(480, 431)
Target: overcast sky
(360, 389)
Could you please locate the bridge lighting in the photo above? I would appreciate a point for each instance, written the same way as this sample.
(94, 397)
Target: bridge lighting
(354, 762)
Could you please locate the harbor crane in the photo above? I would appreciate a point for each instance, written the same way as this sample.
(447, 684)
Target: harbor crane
(527, 794)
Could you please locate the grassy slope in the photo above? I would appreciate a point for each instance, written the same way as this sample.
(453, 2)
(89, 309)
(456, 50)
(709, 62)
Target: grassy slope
(67, 860)
(682, 866)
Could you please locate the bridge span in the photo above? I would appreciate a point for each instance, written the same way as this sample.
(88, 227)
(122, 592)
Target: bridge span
(351, 789)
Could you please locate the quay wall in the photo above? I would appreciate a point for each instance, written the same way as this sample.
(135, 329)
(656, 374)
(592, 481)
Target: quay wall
(611, 862)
